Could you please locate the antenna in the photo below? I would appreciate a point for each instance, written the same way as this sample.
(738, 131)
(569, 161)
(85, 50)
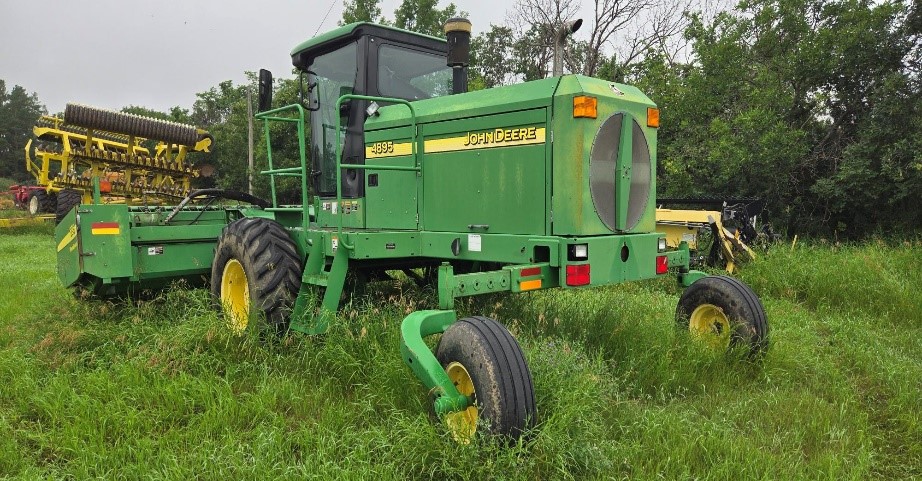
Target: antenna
(324, 18)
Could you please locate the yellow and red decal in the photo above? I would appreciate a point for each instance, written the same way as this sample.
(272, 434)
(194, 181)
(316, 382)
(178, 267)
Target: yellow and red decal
(68, 238)
(105, 228)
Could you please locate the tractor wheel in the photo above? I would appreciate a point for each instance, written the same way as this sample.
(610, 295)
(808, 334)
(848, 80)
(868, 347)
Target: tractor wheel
(486, 363)
(724, 313)
(256, 269)
(67, 200)
(40, 202)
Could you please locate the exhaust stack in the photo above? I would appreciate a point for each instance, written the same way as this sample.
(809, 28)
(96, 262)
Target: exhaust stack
(458, 34)
(560, 43)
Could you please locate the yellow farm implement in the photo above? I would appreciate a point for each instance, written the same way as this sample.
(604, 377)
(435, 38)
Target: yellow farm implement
(714, 237)
(133, 158)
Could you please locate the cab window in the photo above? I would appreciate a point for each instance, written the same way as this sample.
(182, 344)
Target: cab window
(412, 74)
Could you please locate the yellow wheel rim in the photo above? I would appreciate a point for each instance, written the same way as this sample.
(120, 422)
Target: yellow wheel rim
(235, 296)
(710, 324)
(461, 424)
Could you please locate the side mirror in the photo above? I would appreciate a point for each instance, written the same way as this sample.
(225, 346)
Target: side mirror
(265, 90)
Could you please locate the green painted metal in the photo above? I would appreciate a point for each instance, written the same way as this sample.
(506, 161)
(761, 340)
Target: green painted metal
(417, 355)
(115, 248)
(572, 205)
(689, 278)
(339, 152)
(273, 116)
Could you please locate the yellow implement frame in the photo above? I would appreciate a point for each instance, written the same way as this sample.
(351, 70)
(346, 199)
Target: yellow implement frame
(25, 221)
(685, 225)
(63, 156)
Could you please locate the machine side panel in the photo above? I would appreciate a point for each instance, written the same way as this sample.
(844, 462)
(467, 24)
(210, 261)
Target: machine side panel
(572, 202)
(391, 195)
(105, 243)
(486, 174)
(68, 247)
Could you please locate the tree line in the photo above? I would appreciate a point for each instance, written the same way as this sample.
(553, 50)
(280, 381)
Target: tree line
(814, 106)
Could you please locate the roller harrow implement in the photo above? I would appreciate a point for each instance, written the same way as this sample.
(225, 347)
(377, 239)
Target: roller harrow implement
(132, 158)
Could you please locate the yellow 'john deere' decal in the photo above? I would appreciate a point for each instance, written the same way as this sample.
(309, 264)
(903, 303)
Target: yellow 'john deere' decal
(483, 139)
(70, 236)
(486, 139)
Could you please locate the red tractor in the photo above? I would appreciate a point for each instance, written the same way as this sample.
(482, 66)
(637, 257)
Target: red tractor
(33, 198)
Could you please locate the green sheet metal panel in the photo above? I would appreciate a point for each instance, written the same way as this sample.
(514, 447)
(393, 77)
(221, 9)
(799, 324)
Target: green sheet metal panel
(486, 174)
(574, 212)
(353, 213)
(105, 243)
(617, 258)
(173, 260)
(391, 195)
(68, 249)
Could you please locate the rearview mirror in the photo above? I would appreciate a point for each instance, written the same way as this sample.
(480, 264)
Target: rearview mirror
(265, 90)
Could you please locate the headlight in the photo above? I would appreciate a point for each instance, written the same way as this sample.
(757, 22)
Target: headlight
(661, 245)
(579, 251)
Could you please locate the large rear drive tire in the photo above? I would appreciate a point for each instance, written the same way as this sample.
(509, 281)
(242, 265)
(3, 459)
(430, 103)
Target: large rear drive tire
(256, 270)
(67, 200)
(486, 363)
(40, 202)
(724, 313)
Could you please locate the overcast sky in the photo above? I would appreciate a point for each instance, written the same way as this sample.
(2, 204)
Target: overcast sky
(157, 54)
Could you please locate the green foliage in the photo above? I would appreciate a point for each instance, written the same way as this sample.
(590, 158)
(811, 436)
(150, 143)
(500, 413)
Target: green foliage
(532, 54)
(424, 16)
(361, 11)
(222, 110)
(490, 60)
(811, 105)
(159, 388)
(18, 112)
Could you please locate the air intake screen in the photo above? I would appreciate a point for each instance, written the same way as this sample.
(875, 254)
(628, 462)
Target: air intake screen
(607, 175)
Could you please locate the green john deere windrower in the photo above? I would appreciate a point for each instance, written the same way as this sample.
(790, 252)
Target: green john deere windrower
(542, 184)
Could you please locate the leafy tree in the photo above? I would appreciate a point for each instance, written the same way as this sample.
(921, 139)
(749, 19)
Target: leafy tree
(222, 110)
(424, 16)
(18, 112)
(491, 64)
(361, 11)
(794, 101)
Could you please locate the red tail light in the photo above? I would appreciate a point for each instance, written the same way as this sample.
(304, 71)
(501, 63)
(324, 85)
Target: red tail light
(662, 264)
(578, 275)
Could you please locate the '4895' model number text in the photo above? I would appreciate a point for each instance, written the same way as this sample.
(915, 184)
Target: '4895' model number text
(379, 148)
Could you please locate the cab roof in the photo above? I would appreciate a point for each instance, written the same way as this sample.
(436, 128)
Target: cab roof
(304, 53)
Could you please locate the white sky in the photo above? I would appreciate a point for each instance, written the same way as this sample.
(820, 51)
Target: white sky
(157, 54)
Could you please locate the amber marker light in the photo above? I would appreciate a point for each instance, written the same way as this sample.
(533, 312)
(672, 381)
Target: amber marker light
(530, 285)
(585, 107)
(652, 117)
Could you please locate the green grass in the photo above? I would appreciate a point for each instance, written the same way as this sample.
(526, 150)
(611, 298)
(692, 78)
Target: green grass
(159, 389)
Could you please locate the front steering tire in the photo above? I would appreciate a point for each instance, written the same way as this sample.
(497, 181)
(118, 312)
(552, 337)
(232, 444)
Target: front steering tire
(724, 313)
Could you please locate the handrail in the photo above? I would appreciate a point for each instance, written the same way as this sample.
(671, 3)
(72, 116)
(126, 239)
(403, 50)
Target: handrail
(339, 155)
(271, 115)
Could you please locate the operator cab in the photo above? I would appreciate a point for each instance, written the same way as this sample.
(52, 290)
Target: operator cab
(361, 59)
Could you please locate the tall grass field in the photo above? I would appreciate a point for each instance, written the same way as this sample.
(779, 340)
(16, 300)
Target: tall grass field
(159, 388)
